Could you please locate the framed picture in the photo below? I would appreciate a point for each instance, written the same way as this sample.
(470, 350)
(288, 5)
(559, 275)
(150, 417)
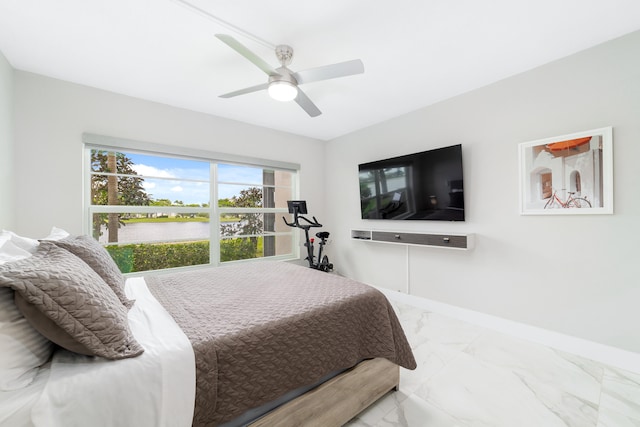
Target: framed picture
(568, 174)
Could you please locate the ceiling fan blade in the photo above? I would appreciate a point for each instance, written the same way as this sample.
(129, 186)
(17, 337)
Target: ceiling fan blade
(307, 105)
(341, 69)
(245, 90)
(244, 51)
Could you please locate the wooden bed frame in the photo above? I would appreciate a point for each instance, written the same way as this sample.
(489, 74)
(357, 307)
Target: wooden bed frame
(338, 400)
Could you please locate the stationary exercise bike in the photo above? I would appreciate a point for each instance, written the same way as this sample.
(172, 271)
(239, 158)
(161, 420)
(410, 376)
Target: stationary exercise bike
(299, 208)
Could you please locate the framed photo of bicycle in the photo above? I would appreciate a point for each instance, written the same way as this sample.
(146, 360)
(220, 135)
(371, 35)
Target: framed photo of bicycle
(568, 174)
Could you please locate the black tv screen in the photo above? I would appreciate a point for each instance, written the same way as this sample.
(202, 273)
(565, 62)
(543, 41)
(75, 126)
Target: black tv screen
(419, 186)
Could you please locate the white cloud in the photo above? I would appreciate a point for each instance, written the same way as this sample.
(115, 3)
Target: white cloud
(148, 185)
(152, 171)
(177, 189)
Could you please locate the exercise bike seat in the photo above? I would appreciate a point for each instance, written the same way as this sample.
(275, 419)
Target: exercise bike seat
(322, 235)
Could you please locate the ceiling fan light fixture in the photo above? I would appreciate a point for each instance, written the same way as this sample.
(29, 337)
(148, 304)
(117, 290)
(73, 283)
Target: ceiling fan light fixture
(282, 91)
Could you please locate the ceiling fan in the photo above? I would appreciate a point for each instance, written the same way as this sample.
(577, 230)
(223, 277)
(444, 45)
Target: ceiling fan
(283, 84)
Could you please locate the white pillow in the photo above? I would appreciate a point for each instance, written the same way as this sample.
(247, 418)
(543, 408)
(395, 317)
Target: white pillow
(9, 251)
(56, 234)
(25, 243)
(24, 349)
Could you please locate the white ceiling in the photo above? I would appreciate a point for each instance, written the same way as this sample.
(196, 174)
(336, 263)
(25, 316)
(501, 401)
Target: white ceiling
(415, 52)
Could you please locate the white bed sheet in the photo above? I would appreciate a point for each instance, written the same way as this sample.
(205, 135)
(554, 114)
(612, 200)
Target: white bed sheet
(15, 405)
(154, 389)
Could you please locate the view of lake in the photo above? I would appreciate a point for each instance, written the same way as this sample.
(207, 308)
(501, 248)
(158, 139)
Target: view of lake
(148, 231)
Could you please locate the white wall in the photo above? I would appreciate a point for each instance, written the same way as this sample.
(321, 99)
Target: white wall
(6, 144)
(51, 115)
(577, 275)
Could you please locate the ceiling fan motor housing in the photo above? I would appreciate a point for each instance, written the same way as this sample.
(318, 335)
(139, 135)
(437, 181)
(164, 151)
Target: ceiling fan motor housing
(284, 75)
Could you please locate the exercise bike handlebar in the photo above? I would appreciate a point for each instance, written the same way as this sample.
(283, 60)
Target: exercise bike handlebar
(296, 223)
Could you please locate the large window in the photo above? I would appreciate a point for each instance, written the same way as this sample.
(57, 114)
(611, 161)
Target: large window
(153, 210)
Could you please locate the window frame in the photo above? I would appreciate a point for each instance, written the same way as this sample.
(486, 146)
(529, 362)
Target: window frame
(105, 143)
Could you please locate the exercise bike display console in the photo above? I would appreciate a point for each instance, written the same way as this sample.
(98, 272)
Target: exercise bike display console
(298, 208)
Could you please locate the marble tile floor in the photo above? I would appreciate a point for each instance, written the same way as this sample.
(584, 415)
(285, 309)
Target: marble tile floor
(471, 376)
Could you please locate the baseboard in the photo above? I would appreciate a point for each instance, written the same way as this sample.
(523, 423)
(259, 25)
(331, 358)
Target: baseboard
(607, 355)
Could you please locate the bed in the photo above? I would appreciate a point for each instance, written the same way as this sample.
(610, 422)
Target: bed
(262, 344)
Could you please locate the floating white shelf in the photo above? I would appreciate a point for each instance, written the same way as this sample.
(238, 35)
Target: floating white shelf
(460, 241)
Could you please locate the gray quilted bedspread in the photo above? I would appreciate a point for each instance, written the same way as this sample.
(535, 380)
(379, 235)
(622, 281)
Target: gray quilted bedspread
(261, 329)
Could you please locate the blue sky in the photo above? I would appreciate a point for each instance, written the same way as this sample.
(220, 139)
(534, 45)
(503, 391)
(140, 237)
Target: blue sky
(167, 178)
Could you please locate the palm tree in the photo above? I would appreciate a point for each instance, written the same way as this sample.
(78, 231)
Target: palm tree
(125, 188)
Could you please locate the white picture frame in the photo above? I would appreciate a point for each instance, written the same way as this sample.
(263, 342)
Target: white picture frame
(568, 174)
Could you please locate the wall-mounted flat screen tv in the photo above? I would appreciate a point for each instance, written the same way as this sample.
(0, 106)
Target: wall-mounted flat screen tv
(420, 186)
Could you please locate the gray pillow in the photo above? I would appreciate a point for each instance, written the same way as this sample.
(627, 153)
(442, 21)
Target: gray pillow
(93, 253)
(72, 302)
(49, 329)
